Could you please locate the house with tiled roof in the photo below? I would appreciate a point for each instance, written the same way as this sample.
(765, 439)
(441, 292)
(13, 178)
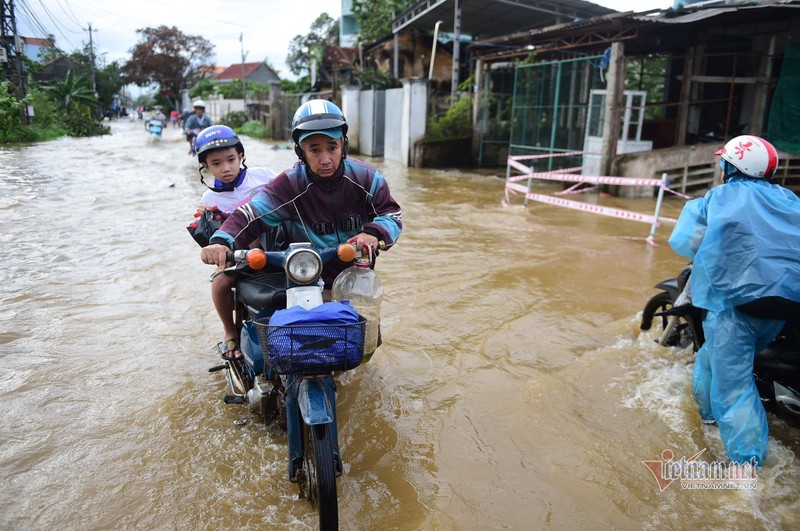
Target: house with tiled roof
(256, 72)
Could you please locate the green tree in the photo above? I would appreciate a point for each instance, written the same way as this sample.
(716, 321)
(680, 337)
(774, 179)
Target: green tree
(109, 83)
(73, 94)
(44, 125)
(107, 77)
(300, 85)
(456, 122)
(372, 78)
(375, 17)
(75, 100)
(303, 49)
(202, 89)
(11, 110)
(169, 58)
(233, 90)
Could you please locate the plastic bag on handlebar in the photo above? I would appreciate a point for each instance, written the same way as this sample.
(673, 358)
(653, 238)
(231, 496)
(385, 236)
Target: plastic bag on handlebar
(206, 224)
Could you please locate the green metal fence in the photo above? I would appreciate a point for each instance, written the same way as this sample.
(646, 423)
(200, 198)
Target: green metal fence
(549, 106)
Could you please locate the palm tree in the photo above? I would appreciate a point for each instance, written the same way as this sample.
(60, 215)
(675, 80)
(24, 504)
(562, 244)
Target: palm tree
(72, 93)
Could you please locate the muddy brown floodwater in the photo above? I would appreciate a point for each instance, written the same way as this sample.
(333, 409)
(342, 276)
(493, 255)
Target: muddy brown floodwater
(513, 389)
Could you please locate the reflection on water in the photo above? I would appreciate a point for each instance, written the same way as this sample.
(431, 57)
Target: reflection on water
(513, 389)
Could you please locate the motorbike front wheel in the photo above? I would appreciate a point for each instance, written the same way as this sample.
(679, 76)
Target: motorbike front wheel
(321, 474)
(680, 334)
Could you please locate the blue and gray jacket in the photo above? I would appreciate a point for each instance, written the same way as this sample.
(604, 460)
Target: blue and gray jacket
(322, 211)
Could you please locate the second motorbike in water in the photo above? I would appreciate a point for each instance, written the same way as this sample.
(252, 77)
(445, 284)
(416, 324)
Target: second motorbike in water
(776, 368)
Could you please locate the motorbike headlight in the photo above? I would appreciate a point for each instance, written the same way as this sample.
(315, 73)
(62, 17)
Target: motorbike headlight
(303, 266)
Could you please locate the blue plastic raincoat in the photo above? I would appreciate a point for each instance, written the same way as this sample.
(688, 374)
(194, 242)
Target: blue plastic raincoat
(744, 238)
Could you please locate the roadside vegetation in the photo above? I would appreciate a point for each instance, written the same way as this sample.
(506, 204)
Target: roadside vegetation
(61, 109)
(456, 121)
(55, 107)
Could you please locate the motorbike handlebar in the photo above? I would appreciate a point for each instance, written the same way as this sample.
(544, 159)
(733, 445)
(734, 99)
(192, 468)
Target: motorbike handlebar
(257, 258)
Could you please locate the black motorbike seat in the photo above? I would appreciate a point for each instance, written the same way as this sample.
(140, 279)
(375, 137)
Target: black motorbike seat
(777, 308)
(263, 289)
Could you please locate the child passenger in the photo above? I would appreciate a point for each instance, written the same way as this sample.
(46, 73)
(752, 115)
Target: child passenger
(220, 151)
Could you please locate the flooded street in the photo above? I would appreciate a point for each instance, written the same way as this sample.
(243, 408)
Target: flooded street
(513, 390)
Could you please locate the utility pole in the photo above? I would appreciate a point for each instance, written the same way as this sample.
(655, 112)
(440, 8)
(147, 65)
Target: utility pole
(91, 60)
(92, 67)
(11, 51)
(244, 85)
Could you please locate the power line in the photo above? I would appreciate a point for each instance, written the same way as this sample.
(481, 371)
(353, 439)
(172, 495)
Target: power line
(30, 20)
(70, 14)
(94, 9)
(61, 28)
(37, 23)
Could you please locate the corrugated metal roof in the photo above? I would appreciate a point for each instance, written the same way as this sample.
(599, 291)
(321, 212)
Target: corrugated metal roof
(711, 12)
(688, 15)
(491, 18)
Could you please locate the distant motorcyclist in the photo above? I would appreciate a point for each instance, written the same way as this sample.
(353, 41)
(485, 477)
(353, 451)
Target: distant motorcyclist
(196, 122)
(158, 115)
(744, 238)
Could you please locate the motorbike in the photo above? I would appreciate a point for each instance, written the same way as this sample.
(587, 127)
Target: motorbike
(193, 149)
(155, 127)
(776, 368)
(286, 372)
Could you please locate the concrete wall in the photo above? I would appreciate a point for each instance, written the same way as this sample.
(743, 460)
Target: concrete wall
(413, 119)
(350, 108)
(650, 164)
(593, 145)
(690, 169)
(218, 106)
(455, 153)
(371, 123)
(366, 122)
(391, 132)
(403, 113)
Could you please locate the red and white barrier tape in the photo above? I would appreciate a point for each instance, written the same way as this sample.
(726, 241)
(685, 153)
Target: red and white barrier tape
(595, 209)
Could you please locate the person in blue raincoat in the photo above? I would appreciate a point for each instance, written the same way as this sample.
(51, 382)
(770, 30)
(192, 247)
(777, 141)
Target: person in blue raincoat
(744, 238)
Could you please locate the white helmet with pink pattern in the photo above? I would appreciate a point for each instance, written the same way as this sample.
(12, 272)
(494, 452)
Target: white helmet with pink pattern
(751, 155)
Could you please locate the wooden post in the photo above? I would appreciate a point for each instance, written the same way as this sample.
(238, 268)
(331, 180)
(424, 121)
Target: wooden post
(686, 92)
(615, 86)
(762, 90)
(477, 94)
(456, 51)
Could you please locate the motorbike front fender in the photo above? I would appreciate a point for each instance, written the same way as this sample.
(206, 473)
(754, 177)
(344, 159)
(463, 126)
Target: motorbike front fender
(670, 286)
(315, 405)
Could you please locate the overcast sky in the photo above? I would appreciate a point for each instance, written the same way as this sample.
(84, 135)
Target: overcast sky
(267, 26)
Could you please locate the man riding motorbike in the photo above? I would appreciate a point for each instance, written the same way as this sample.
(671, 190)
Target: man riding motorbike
(744, 238)
(196, 123)
(326, 198)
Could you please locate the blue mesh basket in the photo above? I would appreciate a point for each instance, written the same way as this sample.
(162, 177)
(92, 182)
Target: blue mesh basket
(312, 349)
